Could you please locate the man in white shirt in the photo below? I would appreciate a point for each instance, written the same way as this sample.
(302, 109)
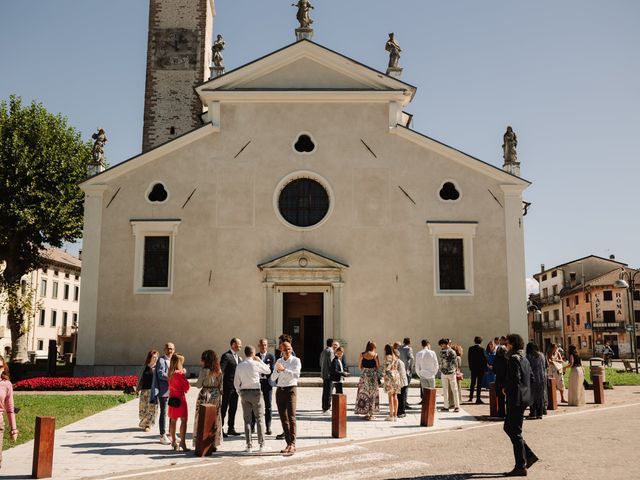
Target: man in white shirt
(286, 373)
(426, 366)
(247, 383)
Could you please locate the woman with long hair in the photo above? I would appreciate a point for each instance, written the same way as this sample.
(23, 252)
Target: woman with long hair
(147, 411)
(489, 376)
(178, 388)
(391, 381)
(459, 375)
(576, 378)
(210, 385)
(554, 359)
(6, 404)
(368, 397)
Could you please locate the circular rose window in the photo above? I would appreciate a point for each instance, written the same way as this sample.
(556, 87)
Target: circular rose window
(303, 202)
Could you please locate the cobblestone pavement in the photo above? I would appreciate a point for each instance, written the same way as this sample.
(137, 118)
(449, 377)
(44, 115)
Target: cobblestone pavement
(109, 442)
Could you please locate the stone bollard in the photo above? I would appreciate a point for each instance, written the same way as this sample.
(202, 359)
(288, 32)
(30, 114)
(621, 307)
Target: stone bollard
(493, 400)
(205, 440)
(338, 415)
(552, 394)
(428, 411)
(43, 447)
(597, 377)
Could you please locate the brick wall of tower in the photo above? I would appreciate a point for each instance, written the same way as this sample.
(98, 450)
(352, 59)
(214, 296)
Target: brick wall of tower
(178, 55)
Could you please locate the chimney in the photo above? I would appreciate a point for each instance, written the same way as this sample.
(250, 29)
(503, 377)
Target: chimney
(572, 279)
(542, 267)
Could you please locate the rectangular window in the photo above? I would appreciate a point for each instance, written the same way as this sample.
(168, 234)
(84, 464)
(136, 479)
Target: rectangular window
(54, 318)
(577, 299)
(568, 321)
(544, 277)
(40, 344)
(579, 341)
(76, 293)
(42, 317)
(43, 288)
(636, 314)
(66, 292)
(636, 294)
(570, 342)
(588, 317)
(156, 262)
(546, 316)
(556, 314)
(590, 343)
(545, 292)
(451, 263)
(567, 302)
(554, 274)
(609, 316)
(555, 289)
(607, 295)
(54, 290)
(587, 298)
(74, 320)
(577, 319)
(65, 319)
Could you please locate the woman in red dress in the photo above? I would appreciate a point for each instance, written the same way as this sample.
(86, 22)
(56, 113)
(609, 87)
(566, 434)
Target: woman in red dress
(178, 387)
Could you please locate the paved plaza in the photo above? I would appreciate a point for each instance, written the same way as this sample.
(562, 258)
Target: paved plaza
(110, 442)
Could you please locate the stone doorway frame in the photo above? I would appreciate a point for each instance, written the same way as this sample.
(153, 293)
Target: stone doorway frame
(303, 271)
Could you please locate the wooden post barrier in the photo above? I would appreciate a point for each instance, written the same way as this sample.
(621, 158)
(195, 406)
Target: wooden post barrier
(552, 394)
(493, 400)
(338, 415)
(205, 440)
(43, 447)
(597, 377)
(428, 411)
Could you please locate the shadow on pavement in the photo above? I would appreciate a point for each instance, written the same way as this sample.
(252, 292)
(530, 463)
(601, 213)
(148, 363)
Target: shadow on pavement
(456, 476)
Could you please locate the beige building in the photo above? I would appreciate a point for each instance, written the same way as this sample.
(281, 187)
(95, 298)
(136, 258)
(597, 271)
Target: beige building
(56, 290)
(303, 204)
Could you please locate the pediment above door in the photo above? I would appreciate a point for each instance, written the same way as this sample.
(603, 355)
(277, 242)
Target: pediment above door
(303, 266)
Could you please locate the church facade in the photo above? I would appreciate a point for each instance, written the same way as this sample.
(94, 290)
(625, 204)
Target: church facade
(302, 203)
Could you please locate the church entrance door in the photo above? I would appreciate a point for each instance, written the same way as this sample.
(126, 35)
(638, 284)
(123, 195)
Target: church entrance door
(303, 314)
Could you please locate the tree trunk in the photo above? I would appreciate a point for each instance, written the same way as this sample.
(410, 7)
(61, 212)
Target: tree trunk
(19, 337)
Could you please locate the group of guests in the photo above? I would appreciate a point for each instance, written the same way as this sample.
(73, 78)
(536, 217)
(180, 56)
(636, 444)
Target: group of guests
(222, 381)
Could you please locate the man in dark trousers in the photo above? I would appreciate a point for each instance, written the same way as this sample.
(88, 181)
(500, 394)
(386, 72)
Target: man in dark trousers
(517, 390)
(326, 357)
(265, 384)
(228, 364)
(477, 365)
(500, 370)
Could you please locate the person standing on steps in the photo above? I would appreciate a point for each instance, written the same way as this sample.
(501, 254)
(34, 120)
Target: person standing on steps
(228, 364)
(477, 365)
(326, 357)
(517, 390)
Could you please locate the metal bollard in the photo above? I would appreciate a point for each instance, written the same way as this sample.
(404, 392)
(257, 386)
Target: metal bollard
(205, 440)
(552, 394)
(43, 447)
(428, 411)
(338, 415)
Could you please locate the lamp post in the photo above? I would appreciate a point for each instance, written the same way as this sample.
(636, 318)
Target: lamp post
(628, 281)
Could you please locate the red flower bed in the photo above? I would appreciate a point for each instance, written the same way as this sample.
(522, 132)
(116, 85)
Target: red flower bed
(77, 383)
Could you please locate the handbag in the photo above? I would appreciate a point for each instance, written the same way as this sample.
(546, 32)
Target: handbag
(174, 402)
(459, 375)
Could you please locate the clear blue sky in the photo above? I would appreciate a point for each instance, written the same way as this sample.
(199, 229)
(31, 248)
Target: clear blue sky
(565, 74)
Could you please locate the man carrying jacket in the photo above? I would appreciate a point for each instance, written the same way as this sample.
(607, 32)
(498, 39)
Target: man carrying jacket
(517, 390)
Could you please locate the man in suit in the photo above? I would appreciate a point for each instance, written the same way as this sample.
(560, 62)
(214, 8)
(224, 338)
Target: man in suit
(406, 357)
(228, 365)
(265, 385)
(517, 390)
(326, 357)
(338, 372)
(477, 365)
(160, 389)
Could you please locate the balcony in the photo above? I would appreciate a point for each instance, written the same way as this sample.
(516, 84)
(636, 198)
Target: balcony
(552, 325)
(617, 326)
(550, 300)
(67, 330)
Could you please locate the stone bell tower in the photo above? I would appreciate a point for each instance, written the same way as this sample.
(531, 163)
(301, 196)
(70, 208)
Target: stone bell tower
(178, 56)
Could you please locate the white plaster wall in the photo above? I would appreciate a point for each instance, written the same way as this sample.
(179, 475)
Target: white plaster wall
(229, 227)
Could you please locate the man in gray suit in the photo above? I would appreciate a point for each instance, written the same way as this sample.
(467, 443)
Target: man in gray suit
(406, 357)
(326, 358)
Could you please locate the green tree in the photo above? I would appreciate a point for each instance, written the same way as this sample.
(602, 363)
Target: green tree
(42, 159)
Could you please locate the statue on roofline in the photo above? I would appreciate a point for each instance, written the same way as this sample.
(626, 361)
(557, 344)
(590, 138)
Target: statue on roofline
(304, 9)
(510, 142)
(216, 51)
(394, 52)
(97, 151)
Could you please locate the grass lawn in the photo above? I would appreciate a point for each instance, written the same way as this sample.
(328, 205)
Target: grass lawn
(611, 375)
(65, 408)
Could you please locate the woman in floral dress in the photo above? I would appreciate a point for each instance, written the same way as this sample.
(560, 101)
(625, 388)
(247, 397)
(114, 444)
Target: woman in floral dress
(210, 385)
(368, 398)
(147, 411)
(391, 381)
